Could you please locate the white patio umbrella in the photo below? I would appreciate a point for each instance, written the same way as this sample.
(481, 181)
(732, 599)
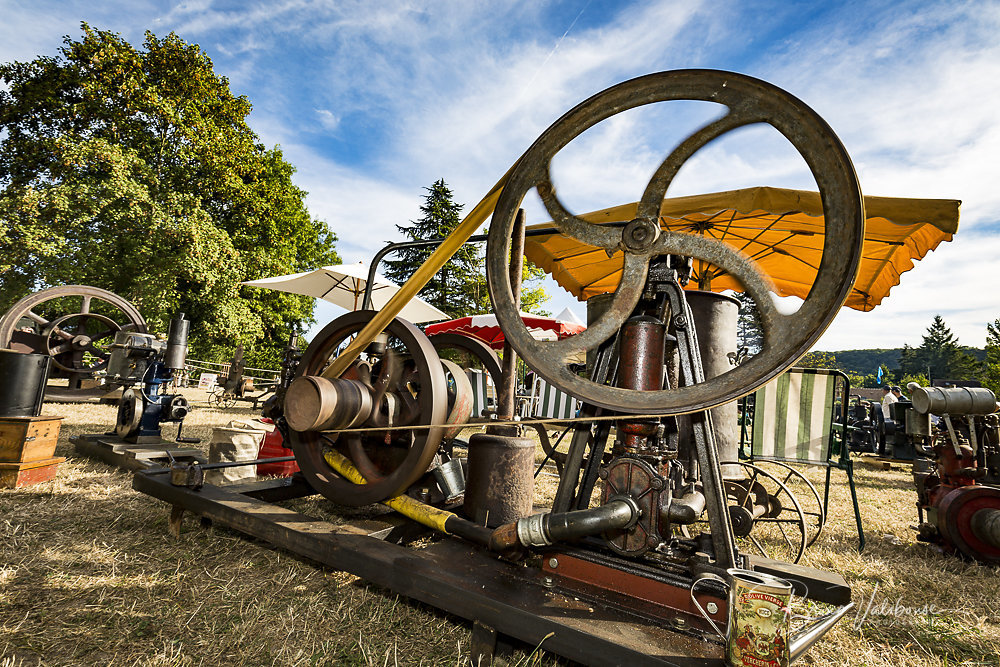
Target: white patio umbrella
(344, 285)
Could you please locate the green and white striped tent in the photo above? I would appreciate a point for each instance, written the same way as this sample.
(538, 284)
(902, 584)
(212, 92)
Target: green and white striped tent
(548, 402)
(483, 392)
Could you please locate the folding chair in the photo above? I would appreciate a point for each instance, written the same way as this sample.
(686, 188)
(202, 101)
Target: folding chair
(801, 417)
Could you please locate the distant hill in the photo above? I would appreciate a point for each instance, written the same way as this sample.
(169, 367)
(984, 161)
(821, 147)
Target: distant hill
(862, 362)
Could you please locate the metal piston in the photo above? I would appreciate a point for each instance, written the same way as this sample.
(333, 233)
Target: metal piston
(314, 403)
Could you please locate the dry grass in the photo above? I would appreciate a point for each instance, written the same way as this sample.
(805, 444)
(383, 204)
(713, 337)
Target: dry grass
(90, 575)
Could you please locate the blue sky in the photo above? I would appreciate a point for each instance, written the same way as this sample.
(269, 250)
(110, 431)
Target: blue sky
(373, 101)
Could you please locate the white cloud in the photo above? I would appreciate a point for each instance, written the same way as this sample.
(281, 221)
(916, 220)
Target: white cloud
(458, 90)
(327, 119)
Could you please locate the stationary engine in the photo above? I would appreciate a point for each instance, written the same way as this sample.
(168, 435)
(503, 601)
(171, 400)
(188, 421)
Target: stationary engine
(958, 476)
(144, 364)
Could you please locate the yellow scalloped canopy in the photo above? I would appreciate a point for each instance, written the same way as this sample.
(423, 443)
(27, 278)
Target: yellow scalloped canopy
(781, 230)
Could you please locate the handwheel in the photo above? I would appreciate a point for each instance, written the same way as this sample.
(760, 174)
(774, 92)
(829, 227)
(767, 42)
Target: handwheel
(76, 325)
(786, 337)
(407, 383)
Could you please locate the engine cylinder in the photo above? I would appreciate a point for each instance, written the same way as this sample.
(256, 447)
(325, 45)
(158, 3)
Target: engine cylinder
(954, 400)
(640, 368)
(314, 403)
(500, 482)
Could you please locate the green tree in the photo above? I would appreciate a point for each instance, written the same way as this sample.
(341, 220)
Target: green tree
(459, 288)
(134, 170)
(749, 333)
(938, 356)
(991, 365)
(817, 359)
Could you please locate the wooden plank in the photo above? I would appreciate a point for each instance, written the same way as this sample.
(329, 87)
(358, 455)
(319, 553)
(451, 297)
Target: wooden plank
(457, 577)
(130, 456)
(17, 475)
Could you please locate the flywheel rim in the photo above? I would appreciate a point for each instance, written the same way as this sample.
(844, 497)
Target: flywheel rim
(801, 126)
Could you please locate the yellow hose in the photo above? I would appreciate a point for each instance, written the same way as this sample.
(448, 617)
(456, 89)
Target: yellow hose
(409, 507)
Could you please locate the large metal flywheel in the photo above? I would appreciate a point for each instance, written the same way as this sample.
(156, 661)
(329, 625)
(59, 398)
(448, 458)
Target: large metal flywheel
(75, 325)
(746, 101)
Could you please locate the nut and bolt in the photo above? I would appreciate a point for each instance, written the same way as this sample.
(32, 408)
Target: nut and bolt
(712, 608)
(553, 563)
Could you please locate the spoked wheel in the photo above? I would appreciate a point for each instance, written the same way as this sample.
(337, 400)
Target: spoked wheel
(744, 101)
(76, 325)
(221, 400)
(804, 490)
(399, 382)
(779, 531)
(766, 516)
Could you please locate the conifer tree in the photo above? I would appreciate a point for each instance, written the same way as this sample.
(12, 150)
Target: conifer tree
(455, 288)
(939, 355)
(459, 288)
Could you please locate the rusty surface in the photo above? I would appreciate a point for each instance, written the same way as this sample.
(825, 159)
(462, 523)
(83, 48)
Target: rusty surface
(460, 398)
(407, 457)
(500, 481)
(78, 351)
(666, 598)
(636, 479)
(640, 369)
(964, 510)
(748, 101)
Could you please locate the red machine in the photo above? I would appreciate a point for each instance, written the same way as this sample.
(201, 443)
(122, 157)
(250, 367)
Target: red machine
(958, 485)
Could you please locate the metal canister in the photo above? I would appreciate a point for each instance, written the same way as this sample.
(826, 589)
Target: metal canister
(500, 481)
(758, 620)
(757, 634)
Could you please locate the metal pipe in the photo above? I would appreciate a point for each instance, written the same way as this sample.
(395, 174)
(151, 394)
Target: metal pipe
(177, 343)
(424, 514)
(685, 510)
(508, 388)
(541, 530)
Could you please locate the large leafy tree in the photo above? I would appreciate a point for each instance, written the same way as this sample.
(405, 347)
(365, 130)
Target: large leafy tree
(939, 355)
(459, 288)
(134, 170)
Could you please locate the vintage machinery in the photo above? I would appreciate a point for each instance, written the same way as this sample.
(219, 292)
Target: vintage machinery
(958, 473)
(75, 325)
(237, 386)
(369, 406)
(144, 364)
(631, 562)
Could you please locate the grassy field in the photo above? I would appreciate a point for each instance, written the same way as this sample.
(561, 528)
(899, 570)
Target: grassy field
(89, 575)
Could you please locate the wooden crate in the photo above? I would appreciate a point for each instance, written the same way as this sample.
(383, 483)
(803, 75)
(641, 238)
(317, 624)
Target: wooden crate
(16, 475)
(24, 439)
